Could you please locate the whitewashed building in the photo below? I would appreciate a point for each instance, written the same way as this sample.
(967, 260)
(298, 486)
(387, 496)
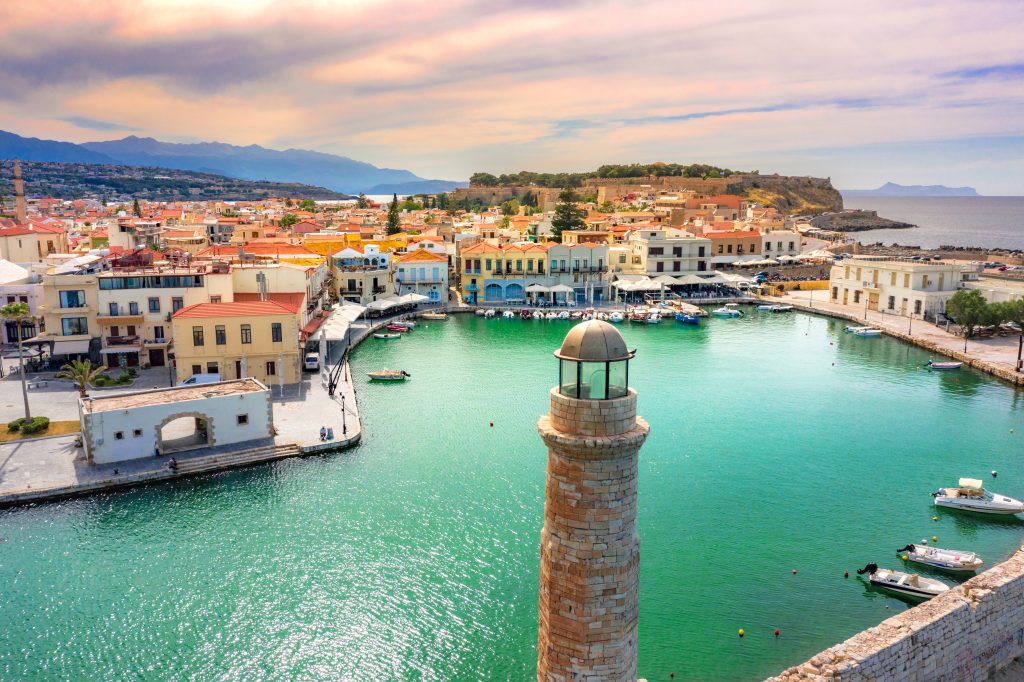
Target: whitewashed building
(900, 286)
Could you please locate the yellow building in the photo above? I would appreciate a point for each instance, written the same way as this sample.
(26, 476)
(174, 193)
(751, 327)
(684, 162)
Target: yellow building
(69, 308)
(258, 339)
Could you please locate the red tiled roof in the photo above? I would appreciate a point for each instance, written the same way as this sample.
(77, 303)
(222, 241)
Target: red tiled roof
(236, 309)
(313, 325)
(730, 235)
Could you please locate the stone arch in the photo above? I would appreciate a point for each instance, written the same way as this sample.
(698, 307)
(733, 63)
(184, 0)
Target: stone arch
(201, 436)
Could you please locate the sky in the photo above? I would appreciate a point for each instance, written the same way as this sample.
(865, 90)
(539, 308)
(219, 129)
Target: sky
(863, 92)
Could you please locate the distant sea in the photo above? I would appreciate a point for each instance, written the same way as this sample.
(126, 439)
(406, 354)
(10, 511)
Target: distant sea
(988, 222)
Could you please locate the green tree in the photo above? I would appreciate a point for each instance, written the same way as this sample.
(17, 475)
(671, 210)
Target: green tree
(606, 207)
(289, 203)
(568, 214)
(483, 180)
(510, 207)
(18, 313)
(307, 205)
(81, 373)
(362, 201)
(969, 309)
(288, 219)
(136, 209)
(411, 205)
(394, 219)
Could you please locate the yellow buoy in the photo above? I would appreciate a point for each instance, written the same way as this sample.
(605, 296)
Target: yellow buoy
(905, 557)
(741, 632)
(935, 518)
(935, 538)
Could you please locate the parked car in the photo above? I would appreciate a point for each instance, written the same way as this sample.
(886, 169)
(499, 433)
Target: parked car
(201, 379)
(311, 362)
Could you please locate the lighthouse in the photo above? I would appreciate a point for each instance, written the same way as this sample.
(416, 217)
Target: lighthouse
(590, 551)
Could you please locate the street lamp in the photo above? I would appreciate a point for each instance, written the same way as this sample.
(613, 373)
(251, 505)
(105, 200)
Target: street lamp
(344, 422)
(910, 325)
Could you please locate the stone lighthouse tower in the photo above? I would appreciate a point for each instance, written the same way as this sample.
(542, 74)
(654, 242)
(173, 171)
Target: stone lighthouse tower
(589, 549)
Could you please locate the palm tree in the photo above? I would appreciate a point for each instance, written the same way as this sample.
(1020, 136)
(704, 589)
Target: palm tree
(19, 312)
(81, 373)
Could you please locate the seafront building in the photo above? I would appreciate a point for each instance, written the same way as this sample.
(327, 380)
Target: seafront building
(902, 286)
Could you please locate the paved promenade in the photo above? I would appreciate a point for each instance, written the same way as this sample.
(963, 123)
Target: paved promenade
(997, 356)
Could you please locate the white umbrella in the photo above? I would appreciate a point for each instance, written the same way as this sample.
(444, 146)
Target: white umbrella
(561, 289)
(536, 289)
(666, 279)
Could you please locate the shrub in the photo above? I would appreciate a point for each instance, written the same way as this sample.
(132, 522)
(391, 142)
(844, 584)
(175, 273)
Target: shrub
(16, 424)
(36, 425)
(124, 378)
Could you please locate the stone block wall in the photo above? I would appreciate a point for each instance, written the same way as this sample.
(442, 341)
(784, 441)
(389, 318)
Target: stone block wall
(965, 635)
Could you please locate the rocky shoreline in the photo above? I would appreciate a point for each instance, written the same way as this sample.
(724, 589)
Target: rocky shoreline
(856, 221)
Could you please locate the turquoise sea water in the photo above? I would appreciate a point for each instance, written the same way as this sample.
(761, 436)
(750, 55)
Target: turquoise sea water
(778, 442)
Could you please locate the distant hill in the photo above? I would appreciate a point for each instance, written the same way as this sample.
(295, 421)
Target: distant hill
(338, 173)
(417, 187)
(119, 182)
(891, 189)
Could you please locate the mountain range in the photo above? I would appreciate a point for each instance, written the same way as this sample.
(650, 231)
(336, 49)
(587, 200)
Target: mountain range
(253, 162)
(891, 189)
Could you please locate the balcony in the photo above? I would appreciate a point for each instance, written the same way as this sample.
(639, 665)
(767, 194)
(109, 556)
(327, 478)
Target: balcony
(121, 341)
(420, 280)
(119, 317)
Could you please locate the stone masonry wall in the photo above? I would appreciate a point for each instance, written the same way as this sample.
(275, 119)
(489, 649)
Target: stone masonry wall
(965, 635)
(590, 552)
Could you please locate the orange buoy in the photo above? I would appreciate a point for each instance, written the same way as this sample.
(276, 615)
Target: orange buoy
(846, 574)
(776, 632)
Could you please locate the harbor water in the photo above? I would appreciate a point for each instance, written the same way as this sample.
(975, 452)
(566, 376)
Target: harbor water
(778, 443)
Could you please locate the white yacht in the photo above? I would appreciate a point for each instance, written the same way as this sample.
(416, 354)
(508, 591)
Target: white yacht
(971, 495)
(906, 584)
(936, 557)
(728, 310)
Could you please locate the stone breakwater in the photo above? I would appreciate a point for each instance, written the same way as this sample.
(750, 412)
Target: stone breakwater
(968, 634)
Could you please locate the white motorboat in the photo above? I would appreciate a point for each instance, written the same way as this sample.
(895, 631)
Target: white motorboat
(653, 318)
(854, 328)
(936, 557)
(538, 315)
(766, 306)
(389, 375)
(867, 331)
(970, 495)
(564, 315)
(491, 313)
(905, 584)
(481, 312)
(551, 316)
(781, 308)
(508, 315)
(434, 316)
(387, 336)
(616, 317)
(728, 310)
(405, 323)
(944, 365)
(576, 315)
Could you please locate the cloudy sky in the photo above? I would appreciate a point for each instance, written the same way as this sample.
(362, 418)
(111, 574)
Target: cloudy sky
(863, 92)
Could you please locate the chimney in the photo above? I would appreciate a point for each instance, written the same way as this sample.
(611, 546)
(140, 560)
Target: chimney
(20, 211)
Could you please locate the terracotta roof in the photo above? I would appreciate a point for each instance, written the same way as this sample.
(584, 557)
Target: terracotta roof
(421, 255)
(730, 235)
(313, 325)
(236, 309)
(260, 250)
(292, 300)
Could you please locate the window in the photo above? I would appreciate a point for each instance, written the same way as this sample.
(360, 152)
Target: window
(197, 369)
(720, 248)
(133, 308)
(906, 280)
(488, 263)
(154, 304)
(275, 332)
(158, 332)
(212, 368)
(917, 307)
(74, 325)
(246, 333)
(655, 251)
(519, 265)
(892, 278)
(119, 435)
(660, 266)
(675, 266)
(197, 336)
(220, 335)
(791, 246)
(856, 296)
(72, 299)
(271, 368)
(700, 252)
(677, 251)
(767, 246)
(113, 310)
(835, 293)
(115, 330)
(892, 303)
(529, 267)
(137, 433)
(242, 419)
(739, 249)
(215, 299)
(177, 303)
(131, 330)
(728, 248)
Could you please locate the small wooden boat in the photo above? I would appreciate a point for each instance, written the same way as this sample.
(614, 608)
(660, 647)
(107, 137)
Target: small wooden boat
(387, 336)
(564, 315)
(970, 495)
(405, 323)
(905, 584)
(398, 328)
(867, 331)
(434, 316)
(936, 557)
(480, 312)
(653, 317)
(576, 315)
(943, 365)
(389, 375)
(524, 314)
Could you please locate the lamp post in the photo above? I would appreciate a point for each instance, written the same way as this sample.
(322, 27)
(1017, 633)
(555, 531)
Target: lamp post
(344, 421)
(865, 305)
(910, 325)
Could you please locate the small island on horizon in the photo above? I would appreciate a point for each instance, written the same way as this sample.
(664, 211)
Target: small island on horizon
(892, 189)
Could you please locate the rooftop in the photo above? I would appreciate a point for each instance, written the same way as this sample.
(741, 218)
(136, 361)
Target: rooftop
(125, 401)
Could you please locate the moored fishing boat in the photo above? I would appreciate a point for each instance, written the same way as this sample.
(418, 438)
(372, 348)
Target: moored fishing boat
(936, 557)
(387, 336)
(551, 316)
(867, 331)
(480, 312)
(434, 316)
(931, 364)
(853, 328)
(491, 312)
(576, 315)
(508, 315)
(616, 317)
(728, 310)
(970, 495)
(906, 584)
(653, 317)
(389, 375)
(538, 315)
(781, 308)
(524, 314)
(398, 328)
(765, 306)
(687, 318)
(564, 315)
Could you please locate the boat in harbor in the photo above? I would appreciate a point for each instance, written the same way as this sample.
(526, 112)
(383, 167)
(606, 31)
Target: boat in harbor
(434, 316)
(867, 331)
(931, 364)
(525, 314)
(616, 317)
(946, 559)
(405, 323)
(480, 312)
(653, 317)
(781, 308)
(538, 315)
(909, 585)
(490, 312)
(765, 306)
(398, 328)
(564, 315)
(852, 328)
(576, 315)
(970, 495)
(508, 315)
(389, 375)
(387, 336)
(687, 318)
(728, 310)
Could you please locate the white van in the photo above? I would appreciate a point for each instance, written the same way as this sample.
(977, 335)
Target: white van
(311, 362)
(201, 379)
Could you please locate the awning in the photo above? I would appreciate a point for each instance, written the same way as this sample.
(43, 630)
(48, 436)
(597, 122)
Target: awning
(70, 347)
(561, 289)
(536, 289)
(112, 350)
(382, 304)
(408, 299)
(313, 325)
